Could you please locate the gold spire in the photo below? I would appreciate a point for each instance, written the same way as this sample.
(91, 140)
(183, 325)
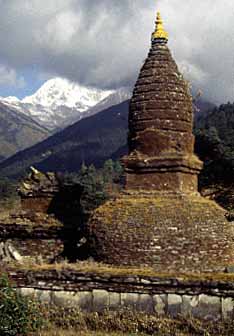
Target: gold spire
(159, 32)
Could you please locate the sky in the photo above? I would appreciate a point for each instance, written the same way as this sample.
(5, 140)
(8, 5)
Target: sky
(103, 43)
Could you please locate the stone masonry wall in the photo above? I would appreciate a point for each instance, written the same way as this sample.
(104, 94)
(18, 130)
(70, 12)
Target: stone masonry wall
(205, 299)
(186, 234)
(39, 241)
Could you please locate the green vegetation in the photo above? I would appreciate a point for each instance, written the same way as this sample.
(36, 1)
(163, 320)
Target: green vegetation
(92, 140)
(127, 322)
(215, 144)
(23, 316)
(62, 332)
(8, 188)
(97, 184)
(18, 315)
(8, 193)
(214, 133)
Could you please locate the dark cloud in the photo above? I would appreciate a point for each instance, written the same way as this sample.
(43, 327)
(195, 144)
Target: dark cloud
(104, 42)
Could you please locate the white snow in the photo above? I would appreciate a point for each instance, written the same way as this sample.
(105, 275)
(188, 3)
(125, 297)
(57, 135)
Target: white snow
(58, 91)
(59, 102)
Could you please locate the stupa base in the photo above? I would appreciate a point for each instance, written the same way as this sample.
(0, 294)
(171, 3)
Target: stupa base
(167, 232)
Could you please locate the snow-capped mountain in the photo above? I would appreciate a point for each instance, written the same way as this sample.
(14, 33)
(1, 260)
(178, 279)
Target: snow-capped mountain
(59, 102)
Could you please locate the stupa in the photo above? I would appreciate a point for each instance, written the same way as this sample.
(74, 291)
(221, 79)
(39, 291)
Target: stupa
(160, 220)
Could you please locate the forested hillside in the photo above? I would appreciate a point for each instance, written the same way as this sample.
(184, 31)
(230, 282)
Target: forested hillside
(215, 144)
(92, 140)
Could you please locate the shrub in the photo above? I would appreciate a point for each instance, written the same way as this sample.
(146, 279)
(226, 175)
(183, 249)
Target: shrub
(19, 315)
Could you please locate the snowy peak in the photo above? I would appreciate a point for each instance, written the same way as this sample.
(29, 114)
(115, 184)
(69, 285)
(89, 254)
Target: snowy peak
(61, 92)
(60, 102)
(10, 100)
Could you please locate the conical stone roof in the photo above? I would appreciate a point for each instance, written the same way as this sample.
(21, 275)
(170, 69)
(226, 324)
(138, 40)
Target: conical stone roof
(161, 142)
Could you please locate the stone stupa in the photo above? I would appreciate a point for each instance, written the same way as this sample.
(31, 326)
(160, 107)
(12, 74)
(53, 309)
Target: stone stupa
(160, 220)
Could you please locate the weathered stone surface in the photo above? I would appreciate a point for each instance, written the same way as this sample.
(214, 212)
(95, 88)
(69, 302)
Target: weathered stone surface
(114, 301)
(28, 292)
(227, 308)
(208, 308)
(100, 300)
(189, 303)
(44, 296)
(84, 300)
(37, 190)
(160, 304)
(130, 300)
(171, 233)
(160, 127)
(63, 298)
(174, 304)
(207, 299)
(46, 227)
(9, 253)
(145, 303)
(81, 300)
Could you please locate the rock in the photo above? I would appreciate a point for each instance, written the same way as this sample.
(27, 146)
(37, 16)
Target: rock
(129, 300)
(145, 303)
(230, 269)
(227, 308)
(160, 304)
(114, 301)
(100, 300)
(208, 308)
(174, 304)
(9, 253)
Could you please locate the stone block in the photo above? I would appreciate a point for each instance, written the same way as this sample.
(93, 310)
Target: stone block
(189, 302)
(85, 300)
(61, 298)
(129, 300)
(82, 300)
(114, 301)
(160, 304)
(100, 300)
(43, 296)
(28, 292)
(208, 308)
(227, 308)
(174, 304)
(145, 303)
(230, 269)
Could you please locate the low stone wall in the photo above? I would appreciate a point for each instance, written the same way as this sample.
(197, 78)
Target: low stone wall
(205, 299)
(35, 241)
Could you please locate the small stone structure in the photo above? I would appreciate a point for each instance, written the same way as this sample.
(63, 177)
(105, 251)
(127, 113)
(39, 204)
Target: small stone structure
(205, 299)
(38, 190)
(161, 220)
(47, 225)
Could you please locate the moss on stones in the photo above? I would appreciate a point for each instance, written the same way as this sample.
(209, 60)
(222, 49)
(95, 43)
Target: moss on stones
(168, 233)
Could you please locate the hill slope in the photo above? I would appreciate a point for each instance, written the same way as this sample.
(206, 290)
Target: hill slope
(91, 140)
(18, 131)
(215, 144)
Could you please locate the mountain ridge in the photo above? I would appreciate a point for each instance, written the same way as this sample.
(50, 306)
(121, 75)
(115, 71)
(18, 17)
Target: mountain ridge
(59, 103)
(90, 140)
(18, 131)
(93, 139)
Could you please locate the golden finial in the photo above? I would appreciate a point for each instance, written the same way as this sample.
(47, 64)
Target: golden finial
(159, 32)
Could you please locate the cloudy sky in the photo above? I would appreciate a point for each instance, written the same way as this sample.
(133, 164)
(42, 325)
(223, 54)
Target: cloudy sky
(103, 43)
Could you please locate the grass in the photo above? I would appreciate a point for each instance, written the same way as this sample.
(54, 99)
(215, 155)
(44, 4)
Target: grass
(136, 324)
(61, 332)
(100, 269)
